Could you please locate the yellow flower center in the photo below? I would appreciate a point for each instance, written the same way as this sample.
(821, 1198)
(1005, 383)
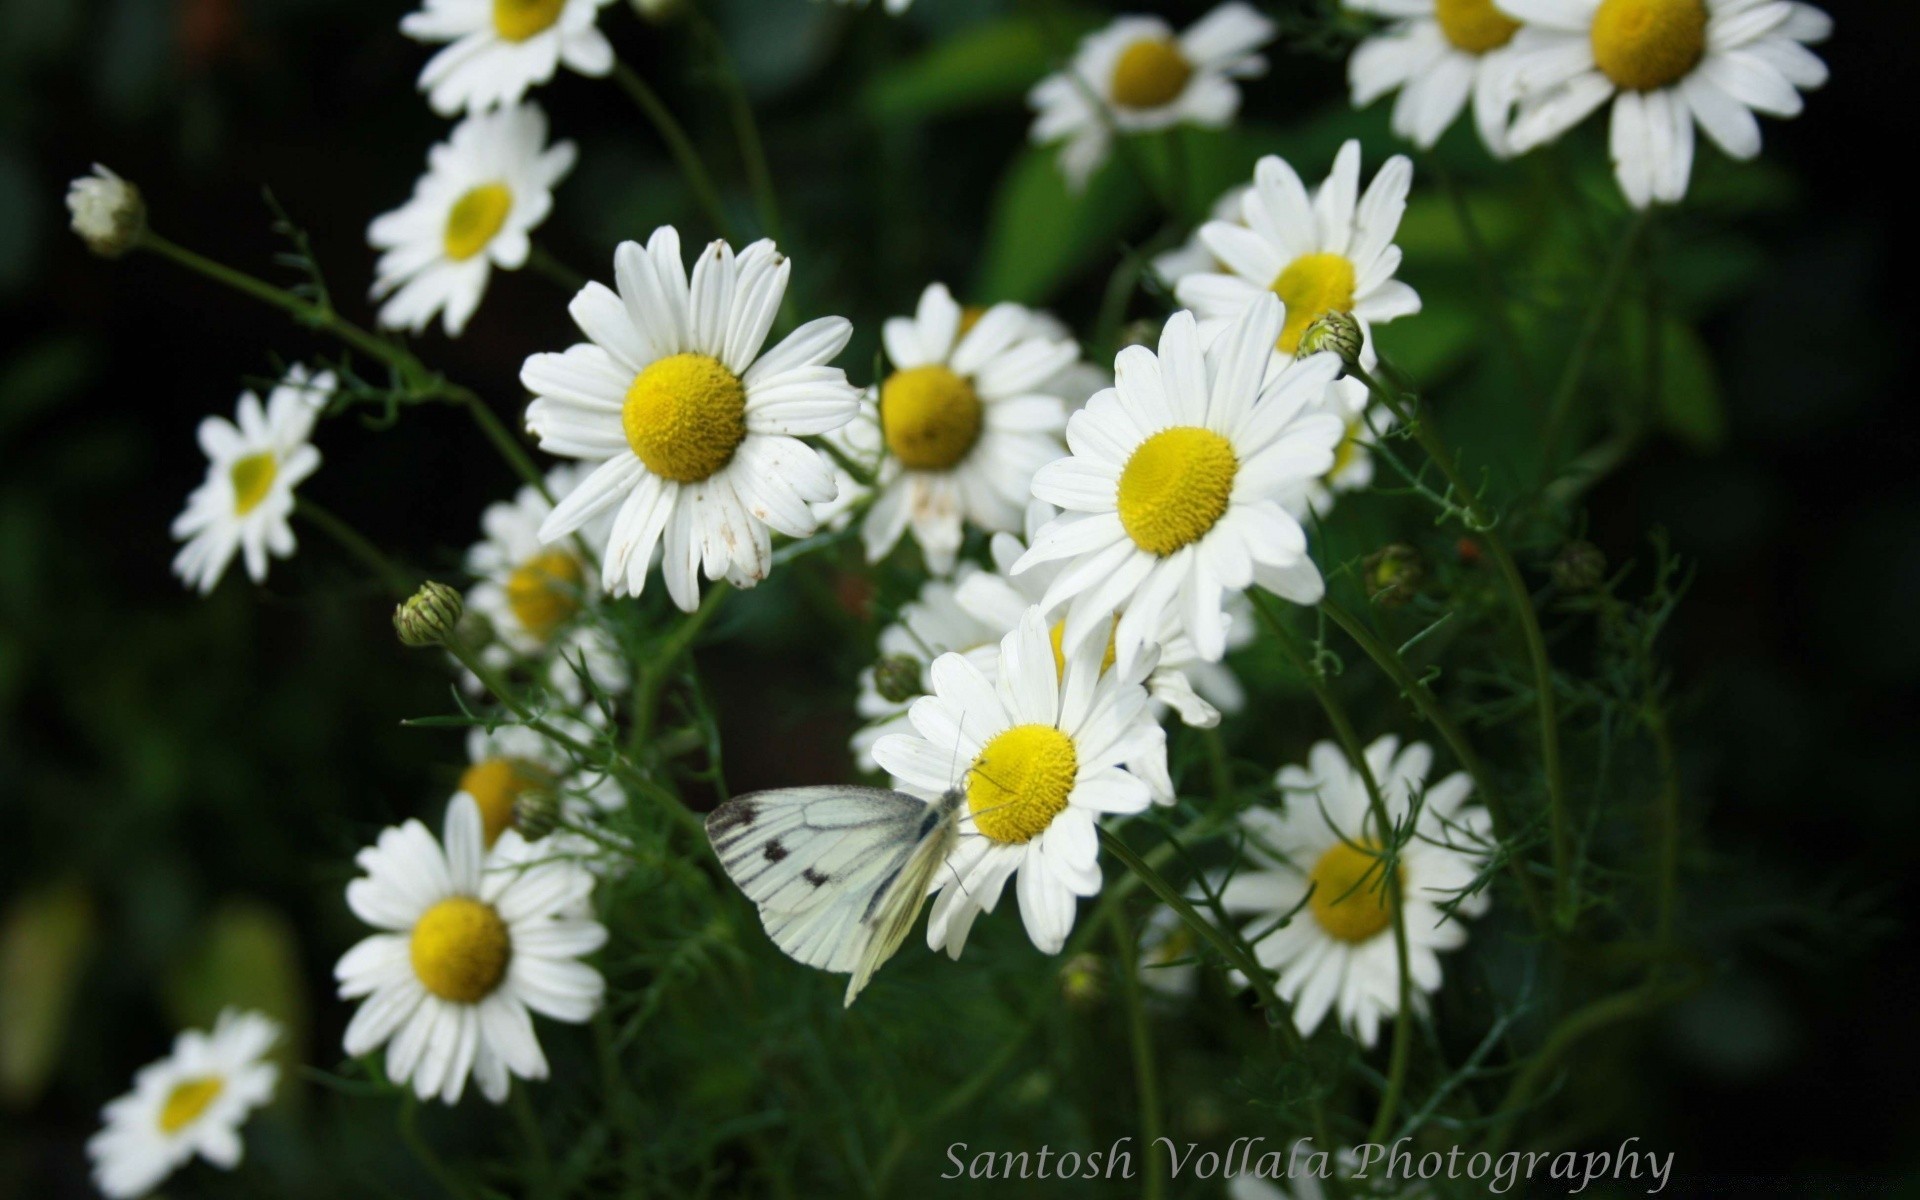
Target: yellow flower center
(496, 784)
(460, 949)
(544, 592)
(930, 415)
(475, 218)
(252, 476)
(1149, 74)
(188, 1100)
(1312, 286)
(1646, 44)
(1059, 635)
(1348, 899)
(1020, 782)
(1475, 26)
(1175, 486)
(518, 20)
(685, 416)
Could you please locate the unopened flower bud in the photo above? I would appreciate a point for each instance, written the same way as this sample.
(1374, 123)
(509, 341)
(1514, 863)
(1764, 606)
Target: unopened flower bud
(1083, 981)
(536, 813)
(1580, 566)
(899, 678)
(1394, 574)
(108, 213)
(1336, 333)
(429, 616)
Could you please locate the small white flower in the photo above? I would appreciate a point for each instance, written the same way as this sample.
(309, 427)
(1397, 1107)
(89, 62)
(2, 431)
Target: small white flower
(1438, 54)
(487, 187)
(191, 1102)
(1136, 75)
(1328, 251)
(1352, 469)
(1666, 65)
(1338, 953)
(694, 431)
(108, 213)
(472, 942)
(538, 597)
(1196, 689)
(1041, 750)
(502, 47)
(253, 464)
(1173, 490)
(932, 624)
(965, 424)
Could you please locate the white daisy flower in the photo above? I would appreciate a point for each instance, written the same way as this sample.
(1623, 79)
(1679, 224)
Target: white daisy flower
(511, 762)
(1196, 689)
(1665, 64)
(191, 1102)
(1136, 75)
(502, 47)
(964, 423)
(471, 942)
(1172, 491)
(106, 211)
(536, 596)
(931, 624)
(1352, 469)
(1168, 954)
(1040, 750)
(486, 188)
(1192, 257)
(253, 464)
(1338, 954)
(1329, 251)
(1438, 54)
(694, 430)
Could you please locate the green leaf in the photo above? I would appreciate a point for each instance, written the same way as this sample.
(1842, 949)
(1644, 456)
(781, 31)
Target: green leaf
(988, 64)
(1042, 232)
(44, 942)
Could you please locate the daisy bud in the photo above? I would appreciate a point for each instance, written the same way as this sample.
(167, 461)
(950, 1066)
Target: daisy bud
(1579, 567)
(108, 213)
(1335, 332)
(1083, 981)
(429, 616)
(1393, 574)
(899, 678)
(536, 813)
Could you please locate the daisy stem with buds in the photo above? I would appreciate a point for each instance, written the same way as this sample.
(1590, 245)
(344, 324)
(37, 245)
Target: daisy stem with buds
(678, 144)
(1413, 414)
(660, 666)
(416, 375)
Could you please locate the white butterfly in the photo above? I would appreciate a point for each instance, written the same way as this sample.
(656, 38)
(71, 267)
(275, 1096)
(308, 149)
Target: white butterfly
(839, 873)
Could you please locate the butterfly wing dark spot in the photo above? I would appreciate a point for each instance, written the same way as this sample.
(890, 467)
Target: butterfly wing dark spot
(736, 815)
(775, 851)
(814, 877)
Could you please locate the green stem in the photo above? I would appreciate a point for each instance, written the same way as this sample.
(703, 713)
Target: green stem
(1498, 305)
(1560, 408)
(678, 144)
(558, 272)
(370, 556)
(746, 130)
(410, 1135)
(530, 1132)
(660, 665)
(1140, 1035)
(1412, 412)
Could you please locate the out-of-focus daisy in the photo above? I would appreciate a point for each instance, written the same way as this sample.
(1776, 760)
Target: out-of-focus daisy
(1666, 65)
(1352, 468)
(931, 624)
(512, 763)
(1040, 750)
(1172, 492)
(1136, 75)
(253, 464)
(1192, 257)
(1338, 954)
(486, 188)
(964, 422)
(535, 596)
(1439, 54)
(1328, 251)
(1196, 689)
(503, 47)
(472, 943)
(191, 1102)
(694, 431)
(106, 211)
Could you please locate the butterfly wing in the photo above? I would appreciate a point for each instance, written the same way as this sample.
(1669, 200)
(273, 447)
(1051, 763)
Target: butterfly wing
(896, 908)
(819, 862)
